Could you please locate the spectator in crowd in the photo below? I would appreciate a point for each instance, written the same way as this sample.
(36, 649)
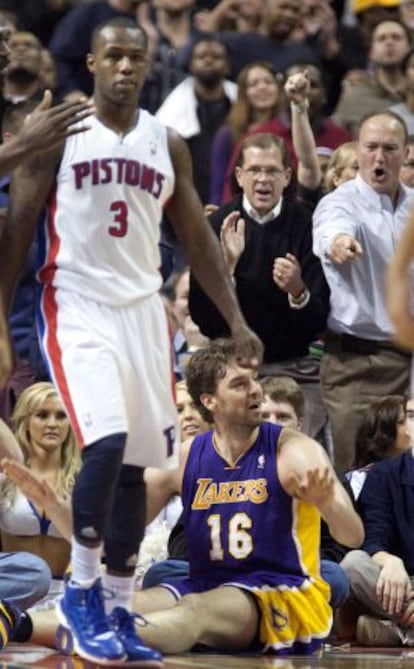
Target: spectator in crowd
(325, 131)
(232, 15)
(198, 106)
(171, 25)
(342, 166)
(22, 78)
(266, 238)
(40, 17)
(381, 574)
(258, 100)
(187, 336)
(384, 82)
(405, 109)
(383, 433)
(42, 431)
(361, 362)
(407, 169)
(24, 577)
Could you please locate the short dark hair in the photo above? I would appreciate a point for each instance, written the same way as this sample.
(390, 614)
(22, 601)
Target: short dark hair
(206, 367)
(264, 140)
(284, 389)
(375, 439)
(118, 22)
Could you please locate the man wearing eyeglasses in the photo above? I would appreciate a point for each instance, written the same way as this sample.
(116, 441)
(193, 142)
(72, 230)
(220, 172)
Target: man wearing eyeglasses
(266, 240)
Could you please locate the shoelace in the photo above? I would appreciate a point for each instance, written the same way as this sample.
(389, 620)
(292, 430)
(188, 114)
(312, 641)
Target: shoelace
(96, 619)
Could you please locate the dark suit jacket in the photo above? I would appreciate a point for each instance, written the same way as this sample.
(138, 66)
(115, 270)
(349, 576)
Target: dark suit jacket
(285, 332)
(386, 505)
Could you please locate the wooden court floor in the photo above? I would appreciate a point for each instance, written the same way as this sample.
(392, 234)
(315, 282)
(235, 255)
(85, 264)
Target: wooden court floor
(338, 657)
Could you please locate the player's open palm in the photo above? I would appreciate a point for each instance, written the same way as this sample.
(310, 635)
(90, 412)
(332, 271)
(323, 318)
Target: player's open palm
(315, 486)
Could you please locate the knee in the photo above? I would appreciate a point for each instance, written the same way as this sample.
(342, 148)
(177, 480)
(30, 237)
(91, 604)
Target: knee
(42, 576)
(338, 581)
(352, 563)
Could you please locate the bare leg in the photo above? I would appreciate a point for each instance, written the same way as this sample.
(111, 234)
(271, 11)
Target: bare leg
(224, 618)
(45, 624)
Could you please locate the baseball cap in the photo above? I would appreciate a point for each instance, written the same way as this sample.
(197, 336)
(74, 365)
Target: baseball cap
(361, 5)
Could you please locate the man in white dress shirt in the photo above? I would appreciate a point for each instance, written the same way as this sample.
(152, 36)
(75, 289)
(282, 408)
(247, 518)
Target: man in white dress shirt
(355, 229)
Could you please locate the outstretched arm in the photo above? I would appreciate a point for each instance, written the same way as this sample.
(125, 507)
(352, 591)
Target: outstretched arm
(45, 127)
(297, 89)
(41, 494)
(398, 286)
(203, 249)
(30, 185)
(305, 472)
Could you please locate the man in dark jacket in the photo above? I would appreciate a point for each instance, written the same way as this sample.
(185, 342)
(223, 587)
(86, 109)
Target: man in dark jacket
(266, 240)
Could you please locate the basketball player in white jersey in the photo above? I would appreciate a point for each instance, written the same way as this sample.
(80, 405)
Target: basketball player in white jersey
(102, 323)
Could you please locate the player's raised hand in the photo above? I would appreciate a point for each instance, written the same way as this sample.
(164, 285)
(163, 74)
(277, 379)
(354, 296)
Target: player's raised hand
(315, 487)
(47, 126)
(250, 348)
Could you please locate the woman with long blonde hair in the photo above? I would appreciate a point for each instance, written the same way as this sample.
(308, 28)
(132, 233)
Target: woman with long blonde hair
(35, 512)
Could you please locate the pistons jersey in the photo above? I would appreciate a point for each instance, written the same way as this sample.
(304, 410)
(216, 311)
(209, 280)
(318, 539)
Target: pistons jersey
(101, 232)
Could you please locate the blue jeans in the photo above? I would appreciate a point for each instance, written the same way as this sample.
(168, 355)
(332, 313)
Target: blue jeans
(331, 572)
(24, 578)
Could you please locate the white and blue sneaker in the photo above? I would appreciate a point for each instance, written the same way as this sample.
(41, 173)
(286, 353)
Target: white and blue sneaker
(81, 612)
(123, 624)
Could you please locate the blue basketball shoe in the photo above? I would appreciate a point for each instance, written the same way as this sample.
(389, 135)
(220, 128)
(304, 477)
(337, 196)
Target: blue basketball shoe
(123, 624)
(81, 612)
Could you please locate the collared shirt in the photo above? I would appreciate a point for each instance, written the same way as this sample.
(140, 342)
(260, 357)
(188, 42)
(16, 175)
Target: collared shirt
(357, 303)
(254, 214)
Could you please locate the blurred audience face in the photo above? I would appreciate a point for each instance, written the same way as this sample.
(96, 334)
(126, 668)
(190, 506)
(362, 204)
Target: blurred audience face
(262, 89)
(409, 413)
(381, 150)
(280, 413)
(407, 169)
(262, 177)
(389, 44)
(209, 62)
(282, 17)
(406, 9)
(342, 166)
(403, 439)
(5, 33)
(25, 59)
(180, 301)
(191, 423)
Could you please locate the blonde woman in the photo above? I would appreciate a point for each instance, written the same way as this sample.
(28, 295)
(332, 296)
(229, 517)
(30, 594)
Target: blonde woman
(342, 166)
(35, 514)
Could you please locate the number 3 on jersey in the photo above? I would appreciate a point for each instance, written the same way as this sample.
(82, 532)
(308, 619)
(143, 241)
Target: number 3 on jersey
(119, 227)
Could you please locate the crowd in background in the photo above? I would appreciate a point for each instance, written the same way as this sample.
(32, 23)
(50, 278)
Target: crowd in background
(331, 79)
